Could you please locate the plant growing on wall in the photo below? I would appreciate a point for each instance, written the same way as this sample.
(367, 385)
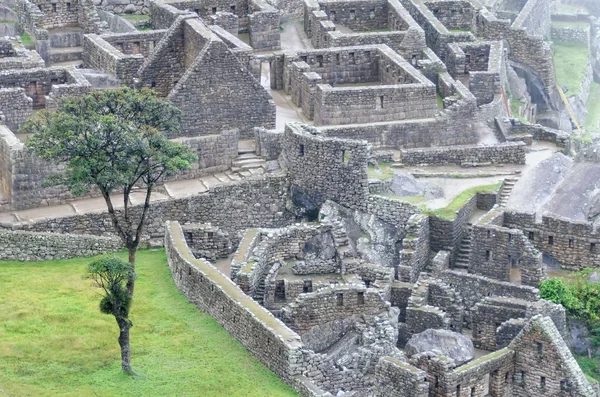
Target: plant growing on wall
(113, 141)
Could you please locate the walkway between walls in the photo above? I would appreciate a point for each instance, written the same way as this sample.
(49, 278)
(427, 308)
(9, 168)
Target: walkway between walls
(171, 190)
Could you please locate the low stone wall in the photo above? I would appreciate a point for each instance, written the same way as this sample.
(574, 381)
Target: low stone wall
(507, 153)
(256, 328)
(394, 375)
(330, 304)
(246, 204)
(415, 248)
(115, 23)
(100, 55)
(473, 289)
(29, 246)
(571, 35)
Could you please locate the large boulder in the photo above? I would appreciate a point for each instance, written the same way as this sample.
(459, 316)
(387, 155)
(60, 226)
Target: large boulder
(447, 343)
(406, 185)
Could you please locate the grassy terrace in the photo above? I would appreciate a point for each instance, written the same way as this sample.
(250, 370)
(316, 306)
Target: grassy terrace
(449, 212)
(135, 18)
(592, 119)
(54, 340)
(570, 61)
(384, 172)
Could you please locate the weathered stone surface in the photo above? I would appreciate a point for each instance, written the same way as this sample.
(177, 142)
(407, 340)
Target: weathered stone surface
(450, 344)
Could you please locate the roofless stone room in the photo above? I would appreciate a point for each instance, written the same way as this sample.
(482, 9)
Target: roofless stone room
(273, 198)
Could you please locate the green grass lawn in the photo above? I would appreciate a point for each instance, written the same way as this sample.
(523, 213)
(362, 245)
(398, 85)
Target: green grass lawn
(592, 119)
(134, 18)
(55, 342)
(384, 172)
(570, 61)
(449, 212)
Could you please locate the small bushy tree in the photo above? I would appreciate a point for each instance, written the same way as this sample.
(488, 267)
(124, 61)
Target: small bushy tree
(111, 275)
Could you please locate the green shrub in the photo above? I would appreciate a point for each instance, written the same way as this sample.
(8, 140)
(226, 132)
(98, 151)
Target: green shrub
(580, 297)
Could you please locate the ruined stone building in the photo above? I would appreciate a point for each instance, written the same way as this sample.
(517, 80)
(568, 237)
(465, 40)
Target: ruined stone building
(324, 224)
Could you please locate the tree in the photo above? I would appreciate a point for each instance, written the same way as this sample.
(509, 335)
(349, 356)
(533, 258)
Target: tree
(113, 140)
(112, 276)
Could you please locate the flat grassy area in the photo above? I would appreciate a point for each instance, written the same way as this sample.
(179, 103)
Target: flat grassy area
(570, 61)
(384, 172)
(133, 18)
(592, 120)
(55, 342)
(449, 212)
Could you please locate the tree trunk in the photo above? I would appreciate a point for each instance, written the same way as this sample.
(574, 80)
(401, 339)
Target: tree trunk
(124, 326)
(131, 281)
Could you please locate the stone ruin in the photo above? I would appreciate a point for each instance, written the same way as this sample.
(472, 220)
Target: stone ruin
(329, 136)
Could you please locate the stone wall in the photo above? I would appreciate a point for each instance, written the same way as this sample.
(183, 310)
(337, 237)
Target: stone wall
(507, 153)
(573, 244)
(495, 250)
(196, 70)
(115, 23)
(232, 208)
(215, 154)
(415, 248)
(534, 18)
(394, 375)
(373, 104)
(124, 6)
(473, 289)
(278, 347)
(326, 168)
(136, 42)
(331, 303)
(22, 175)
(28, 246)
(268, 338)
(207, 241)
(539, 344)
(16, 107)
(99, 54)
(571, 35)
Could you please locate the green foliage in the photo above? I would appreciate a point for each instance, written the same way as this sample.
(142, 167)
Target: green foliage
(26, 39)
(557, 291)
(589, 366)
(55, 342)
(111, 275)
(111, 139)
(580, 297)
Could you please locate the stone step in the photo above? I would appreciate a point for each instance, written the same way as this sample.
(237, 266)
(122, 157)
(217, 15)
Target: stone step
(461, 265)
(68, 64)
(249, 155)
(244, 163)
(65, 54)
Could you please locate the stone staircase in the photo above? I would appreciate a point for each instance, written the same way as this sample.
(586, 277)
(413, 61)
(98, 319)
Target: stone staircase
(66, 47)
(247, 164)
(259, 292)
(342, 244)
(505, 191)
(464, 251)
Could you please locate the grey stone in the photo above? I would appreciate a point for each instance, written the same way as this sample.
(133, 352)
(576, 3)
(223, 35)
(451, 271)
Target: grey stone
(450, 344)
